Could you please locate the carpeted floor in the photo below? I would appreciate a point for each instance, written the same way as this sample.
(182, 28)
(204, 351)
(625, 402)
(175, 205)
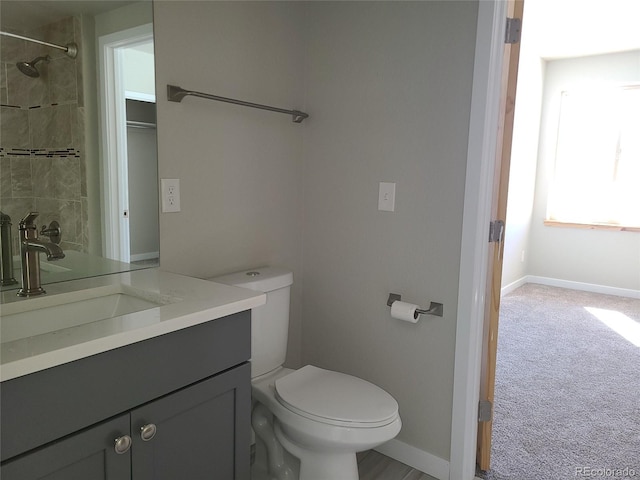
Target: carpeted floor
(567, 401)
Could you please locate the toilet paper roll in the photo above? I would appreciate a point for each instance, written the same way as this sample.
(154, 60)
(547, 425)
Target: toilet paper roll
(404, 311)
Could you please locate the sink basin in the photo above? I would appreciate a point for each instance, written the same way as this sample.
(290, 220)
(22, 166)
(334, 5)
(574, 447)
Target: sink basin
(47, 314)
(77, 319)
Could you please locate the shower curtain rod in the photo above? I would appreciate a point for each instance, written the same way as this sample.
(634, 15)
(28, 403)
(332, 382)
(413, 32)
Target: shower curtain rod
(176, 94)
(71, 49)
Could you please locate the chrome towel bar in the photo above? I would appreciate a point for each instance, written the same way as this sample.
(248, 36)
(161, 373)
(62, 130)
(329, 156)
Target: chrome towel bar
(176, 94)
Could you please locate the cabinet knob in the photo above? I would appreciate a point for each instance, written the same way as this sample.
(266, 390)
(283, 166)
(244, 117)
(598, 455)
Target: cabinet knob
(123, 444)
(147, 432)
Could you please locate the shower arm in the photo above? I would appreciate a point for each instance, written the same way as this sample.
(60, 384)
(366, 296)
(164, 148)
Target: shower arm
(71, 49)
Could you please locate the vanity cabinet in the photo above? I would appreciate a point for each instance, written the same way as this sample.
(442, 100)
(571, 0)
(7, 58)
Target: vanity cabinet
(181, 400)
(86, 455)
(196, 426)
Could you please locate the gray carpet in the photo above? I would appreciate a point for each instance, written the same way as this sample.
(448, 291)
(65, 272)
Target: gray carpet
(567, 401)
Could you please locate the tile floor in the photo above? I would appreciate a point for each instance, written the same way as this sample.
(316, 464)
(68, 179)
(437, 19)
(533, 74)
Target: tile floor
(371, 466)
(375, 466)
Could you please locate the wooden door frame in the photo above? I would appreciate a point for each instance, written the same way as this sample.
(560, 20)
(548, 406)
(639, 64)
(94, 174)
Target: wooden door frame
(474, 257)
(496, 250)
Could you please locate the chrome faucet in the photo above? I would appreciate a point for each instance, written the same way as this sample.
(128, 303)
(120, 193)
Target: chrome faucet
(30, 249)
(6, 249)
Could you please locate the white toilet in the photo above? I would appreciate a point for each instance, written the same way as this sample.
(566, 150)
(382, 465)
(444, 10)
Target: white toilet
(320, 417)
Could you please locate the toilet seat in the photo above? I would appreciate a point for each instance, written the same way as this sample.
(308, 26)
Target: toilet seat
(335, 398)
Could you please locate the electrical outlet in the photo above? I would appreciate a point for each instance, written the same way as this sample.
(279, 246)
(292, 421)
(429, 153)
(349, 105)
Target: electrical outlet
(170, 188)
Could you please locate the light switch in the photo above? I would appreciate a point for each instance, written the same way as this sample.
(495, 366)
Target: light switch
(387, 197)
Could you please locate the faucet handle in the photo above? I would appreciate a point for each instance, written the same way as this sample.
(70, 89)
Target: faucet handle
(27, 221)
(53, 232)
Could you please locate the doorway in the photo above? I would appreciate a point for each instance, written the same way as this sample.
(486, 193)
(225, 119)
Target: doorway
(477, 214)
(545, 47)
(142, 185)
(127, 84)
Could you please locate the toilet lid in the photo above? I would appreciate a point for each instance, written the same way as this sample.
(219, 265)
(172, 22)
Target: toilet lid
(335, 398)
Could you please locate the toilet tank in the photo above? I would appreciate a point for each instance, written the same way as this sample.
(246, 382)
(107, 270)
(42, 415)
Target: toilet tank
(269, 322)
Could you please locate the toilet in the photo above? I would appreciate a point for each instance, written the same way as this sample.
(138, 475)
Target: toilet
(319, 417)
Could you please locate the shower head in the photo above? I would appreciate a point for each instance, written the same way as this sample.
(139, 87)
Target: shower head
(29, 68)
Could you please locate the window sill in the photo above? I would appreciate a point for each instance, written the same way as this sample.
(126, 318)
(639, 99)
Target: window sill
(592, 226)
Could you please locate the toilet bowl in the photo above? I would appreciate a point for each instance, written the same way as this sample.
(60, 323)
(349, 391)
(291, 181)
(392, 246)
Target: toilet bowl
(322, 418)
(311, 421)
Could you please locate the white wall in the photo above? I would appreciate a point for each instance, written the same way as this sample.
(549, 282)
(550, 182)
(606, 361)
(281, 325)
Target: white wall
(139, 72)
(588, 256)
(388, 88)
(524, 157)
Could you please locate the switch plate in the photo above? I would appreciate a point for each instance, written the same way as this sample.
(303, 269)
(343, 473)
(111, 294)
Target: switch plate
(170, 188)
(387, 197)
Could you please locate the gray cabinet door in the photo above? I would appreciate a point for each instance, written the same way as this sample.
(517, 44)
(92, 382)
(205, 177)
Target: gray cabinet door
(87, 455)
(202, 432)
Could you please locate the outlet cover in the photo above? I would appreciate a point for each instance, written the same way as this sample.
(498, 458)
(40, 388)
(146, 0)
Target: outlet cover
(387, 197)
(170, 188)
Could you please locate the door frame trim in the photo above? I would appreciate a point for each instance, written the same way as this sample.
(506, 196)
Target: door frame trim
(113, 130)
(481, 159)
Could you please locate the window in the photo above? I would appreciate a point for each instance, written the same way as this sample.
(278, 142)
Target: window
(596, 180)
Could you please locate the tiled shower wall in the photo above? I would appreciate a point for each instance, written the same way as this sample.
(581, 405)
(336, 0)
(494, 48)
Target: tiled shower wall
(42, 162)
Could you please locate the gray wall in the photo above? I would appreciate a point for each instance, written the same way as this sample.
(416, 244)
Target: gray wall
(240, 169)
(388, 85)
(388, 88)
(129, 16)
(143, 197)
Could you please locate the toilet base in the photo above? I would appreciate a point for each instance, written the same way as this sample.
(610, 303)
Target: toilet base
(299, 447)
(285, 460)
(320, 465)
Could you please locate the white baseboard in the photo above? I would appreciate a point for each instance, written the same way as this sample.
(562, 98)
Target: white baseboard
(586, 287)
(416, 458)
(138, 257)
(512, 286)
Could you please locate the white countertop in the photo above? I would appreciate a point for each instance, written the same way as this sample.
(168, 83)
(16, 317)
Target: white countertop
(191, 301)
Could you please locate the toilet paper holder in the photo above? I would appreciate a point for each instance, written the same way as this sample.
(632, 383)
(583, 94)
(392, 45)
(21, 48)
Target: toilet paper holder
(434, 307)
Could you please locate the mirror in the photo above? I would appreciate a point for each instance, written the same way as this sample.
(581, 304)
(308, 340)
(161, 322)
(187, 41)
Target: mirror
(77, 134)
